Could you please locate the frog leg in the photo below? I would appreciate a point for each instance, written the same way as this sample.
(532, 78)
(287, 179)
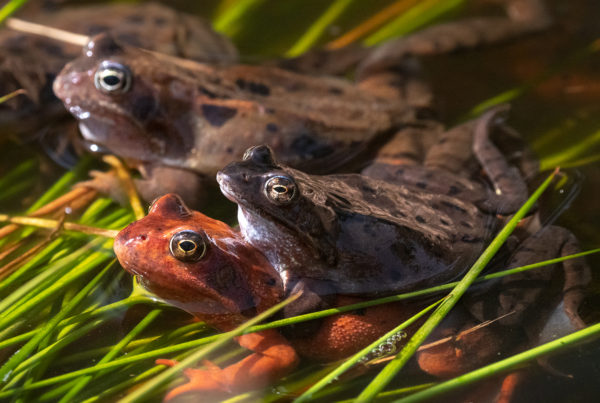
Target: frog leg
(448, 155)
(523, 16)
(535, 296)
(155, 182)
(273, 357)
(463, 343)
(159, 180)
(462, 149)
(406, 148)
(510, 189)
(324, 61)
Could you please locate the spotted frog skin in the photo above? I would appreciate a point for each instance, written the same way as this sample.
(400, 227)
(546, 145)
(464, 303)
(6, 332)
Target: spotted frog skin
(32, 62)
(354, 235)
(178, 122)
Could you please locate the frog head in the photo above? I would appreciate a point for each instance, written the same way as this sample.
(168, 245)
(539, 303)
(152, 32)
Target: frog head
(116, 93)
(197, 263)
(281, 208)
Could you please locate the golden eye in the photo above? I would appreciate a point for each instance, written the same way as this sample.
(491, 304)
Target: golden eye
(280, 189)
(112, 78)
(188, 246)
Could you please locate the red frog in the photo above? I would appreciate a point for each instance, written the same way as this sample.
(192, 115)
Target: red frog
(206, 268)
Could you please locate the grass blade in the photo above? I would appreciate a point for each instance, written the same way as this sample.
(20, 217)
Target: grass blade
(10, 8)
(226, 22)
(32, 344)
(415, 17)
(314, 32)
(112, 353)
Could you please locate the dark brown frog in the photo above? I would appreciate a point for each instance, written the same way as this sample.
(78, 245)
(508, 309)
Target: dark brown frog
(355, 235)
(179, 122)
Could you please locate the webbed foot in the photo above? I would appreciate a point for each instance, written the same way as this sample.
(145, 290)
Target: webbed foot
(211, 380)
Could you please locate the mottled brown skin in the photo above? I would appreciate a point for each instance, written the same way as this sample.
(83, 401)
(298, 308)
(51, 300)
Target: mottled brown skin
(196, 118)
(354, 235)
(32, 62)
(332, 236)
(229, 284)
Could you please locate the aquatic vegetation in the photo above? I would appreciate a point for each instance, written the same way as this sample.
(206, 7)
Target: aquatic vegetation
(63, 307)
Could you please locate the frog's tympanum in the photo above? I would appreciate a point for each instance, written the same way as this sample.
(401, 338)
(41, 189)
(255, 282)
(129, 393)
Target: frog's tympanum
(32, 62)
(206, 268)
(178, 122)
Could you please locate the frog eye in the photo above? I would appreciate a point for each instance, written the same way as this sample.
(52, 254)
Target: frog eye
(280, 189)
(112, 78)
(187, 246)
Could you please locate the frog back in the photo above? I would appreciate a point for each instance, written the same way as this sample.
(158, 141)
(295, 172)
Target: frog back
(390, 239)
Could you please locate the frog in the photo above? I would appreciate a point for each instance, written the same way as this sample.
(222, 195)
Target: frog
(207, 268)
(178, 122)
(32, 62)
(352, 234)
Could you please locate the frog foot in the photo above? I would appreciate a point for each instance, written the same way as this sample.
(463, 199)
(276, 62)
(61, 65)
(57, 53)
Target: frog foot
(106, 183)
(211, 380)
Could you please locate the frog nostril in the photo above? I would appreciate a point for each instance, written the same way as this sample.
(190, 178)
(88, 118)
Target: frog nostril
(142, 237)
(245, 177)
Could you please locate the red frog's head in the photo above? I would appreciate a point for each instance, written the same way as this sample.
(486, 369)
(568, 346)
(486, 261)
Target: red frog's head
(198, 264)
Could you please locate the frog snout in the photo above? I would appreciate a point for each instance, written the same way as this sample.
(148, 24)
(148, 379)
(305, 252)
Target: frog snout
(128, 246)
(66, 83)
(221, 177)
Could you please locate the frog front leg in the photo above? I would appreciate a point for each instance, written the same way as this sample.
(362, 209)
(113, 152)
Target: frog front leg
(273, 357)
(156, 181)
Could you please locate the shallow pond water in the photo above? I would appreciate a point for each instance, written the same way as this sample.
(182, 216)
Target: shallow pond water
(552, 81)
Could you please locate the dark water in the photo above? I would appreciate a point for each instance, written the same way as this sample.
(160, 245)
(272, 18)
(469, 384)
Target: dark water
(556, 114)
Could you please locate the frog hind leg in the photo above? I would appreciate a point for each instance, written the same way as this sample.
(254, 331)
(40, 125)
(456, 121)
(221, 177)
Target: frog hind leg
(406, 148)
(523, 16)
(510, 189)
(533, 296)
(273, 357)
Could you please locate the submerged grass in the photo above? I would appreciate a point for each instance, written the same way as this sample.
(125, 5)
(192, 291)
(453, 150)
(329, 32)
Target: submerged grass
(55, 301)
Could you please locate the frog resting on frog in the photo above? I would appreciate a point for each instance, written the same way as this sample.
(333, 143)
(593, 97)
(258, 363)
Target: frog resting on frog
(339, 238)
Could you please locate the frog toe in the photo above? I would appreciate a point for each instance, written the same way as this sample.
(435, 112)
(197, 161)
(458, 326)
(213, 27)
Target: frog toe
(106, 183)
(206, 381)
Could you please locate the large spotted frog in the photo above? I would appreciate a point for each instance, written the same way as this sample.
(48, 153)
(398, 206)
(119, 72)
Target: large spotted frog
(178, 122)
(352, 234)
(32, 62)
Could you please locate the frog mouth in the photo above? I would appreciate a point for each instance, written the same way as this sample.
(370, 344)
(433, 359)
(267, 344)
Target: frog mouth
(225, 188)
(93, 130)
